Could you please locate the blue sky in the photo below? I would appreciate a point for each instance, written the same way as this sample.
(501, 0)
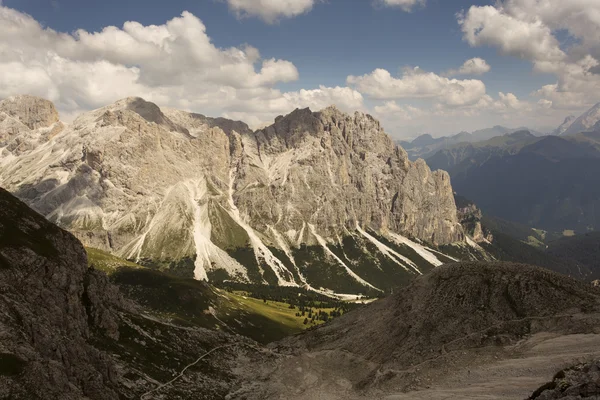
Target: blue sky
(331, 41)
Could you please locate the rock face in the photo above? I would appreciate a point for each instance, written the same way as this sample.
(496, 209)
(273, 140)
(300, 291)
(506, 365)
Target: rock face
(25, 123)
(470, 218)
(208, 197)
(31, 111)
(51, 304)
(565, 125)
(581, 381)
(585, 122)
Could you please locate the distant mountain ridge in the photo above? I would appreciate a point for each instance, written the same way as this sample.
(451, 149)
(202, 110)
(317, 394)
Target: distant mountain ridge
(565, 125)
(425, 145)
(545, 182)
(589, 121)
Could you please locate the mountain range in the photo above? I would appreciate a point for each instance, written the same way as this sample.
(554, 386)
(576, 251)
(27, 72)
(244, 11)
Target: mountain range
(323, 200)
(425, 145)
(544, 182)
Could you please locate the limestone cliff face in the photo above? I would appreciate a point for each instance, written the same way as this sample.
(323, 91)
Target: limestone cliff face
(182, 190)
(25, 122)
(334, 171)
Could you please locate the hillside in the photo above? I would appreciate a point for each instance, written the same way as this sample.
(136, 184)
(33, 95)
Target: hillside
(581, 250)
(68, 333)
(86, 339)
(456, 317)
(262, 314)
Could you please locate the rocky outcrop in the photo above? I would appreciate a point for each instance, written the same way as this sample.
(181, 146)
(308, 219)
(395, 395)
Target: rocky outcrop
(581, 381)
(470, 217)
(51, 305)
(33, 112)
(203, 195)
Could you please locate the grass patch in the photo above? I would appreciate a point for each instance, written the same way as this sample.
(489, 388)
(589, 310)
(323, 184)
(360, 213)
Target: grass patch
(106, 262)
(187, 302)
(265, 320)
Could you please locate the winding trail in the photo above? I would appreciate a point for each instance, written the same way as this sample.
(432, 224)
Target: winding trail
(143, 396)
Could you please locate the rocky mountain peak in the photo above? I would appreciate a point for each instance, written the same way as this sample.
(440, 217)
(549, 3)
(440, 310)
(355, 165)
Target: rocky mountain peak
(358, 131)
(585, 122)
(148, 111)
(209, 196)
(32, 111)
(565, 125)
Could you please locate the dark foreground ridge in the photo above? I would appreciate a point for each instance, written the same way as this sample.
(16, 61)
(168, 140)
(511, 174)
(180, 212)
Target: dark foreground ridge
(456, 306)
(68, 333)
(457, 315)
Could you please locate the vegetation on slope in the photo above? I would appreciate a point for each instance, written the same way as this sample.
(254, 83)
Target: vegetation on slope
(188, 302)
(106, 262)
(581, 250)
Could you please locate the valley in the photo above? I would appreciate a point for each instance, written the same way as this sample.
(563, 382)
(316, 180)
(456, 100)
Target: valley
(463, 329)
(300, 200)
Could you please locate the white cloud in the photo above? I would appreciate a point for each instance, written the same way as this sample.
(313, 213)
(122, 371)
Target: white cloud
(474, 66)
(406, 5)
(270, 11)
(263, 107)
(416, 83)
(174, 64)
(528, 29)
(581, 18)
(407, 112)
(405, 120)
(529, 39)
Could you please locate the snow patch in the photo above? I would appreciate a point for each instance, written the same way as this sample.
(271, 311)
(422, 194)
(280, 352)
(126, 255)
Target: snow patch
(284, 276)
(421, 250)
(323, 244)
(393, 255)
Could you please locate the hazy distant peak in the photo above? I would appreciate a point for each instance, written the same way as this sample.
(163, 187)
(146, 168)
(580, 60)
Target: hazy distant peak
(586, 122)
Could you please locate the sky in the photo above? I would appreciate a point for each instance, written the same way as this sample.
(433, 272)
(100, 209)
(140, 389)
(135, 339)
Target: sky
(419, 66)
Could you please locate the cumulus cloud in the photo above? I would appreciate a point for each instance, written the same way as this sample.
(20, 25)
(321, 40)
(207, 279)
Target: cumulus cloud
(474, 66)
(174, 64)
(528, 29)
(270, 11)
(399, 112)
(489, 25)
(406, 5)
(416, 83)
(274, 102)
